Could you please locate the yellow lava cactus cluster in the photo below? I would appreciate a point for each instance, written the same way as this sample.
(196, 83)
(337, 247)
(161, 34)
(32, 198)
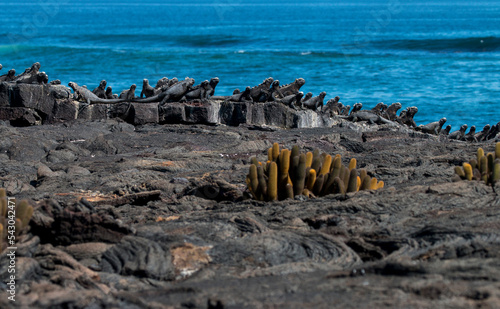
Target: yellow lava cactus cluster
(289, 173)
(485, 167)
(14, 218)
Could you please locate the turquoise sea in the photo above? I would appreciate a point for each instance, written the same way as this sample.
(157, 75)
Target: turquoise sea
(441, 56)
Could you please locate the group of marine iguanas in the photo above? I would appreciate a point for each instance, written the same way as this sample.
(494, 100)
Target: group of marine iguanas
(172, 90)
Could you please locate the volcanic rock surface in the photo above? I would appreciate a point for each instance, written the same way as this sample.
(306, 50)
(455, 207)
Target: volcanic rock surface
(156, 216)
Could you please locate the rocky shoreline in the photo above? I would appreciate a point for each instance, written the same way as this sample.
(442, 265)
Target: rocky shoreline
(152, 214)
(156, 216)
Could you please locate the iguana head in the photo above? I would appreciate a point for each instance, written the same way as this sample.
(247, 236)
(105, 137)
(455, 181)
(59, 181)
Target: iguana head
(214, 81)
(486, 128)
(472, 130)
(145, 82)
(35, 67)
(411, 111)
(102, 84)
(73, 85)
(322, 95)
(109, 91)
(448, 129)
(276, 84)
(205, 84)
(11, 73)
(308, 96)
(442, 121)
(42, 78)
(247, 90)
(300, 82)
(395, 106)
(268, 81)
(299, 96)
(356, 107)
(133, 87)
(463, 128)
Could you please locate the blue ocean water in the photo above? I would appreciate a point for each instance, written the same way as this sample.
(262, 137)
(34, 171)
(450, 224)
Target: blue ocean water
(441, 56)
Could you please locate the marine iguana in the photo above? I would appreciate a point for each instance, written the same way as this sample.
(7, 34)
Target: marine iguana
(368, 116)
(344, 111)
(291, 99)
(171, 94)
(84, 95)
(147, 90)
(257, 91)
(356, 107)
(100, 91)
(445, 131)
(109, 94)
(433, 127)
(198, 92)
(307, 97)
(11, 74)
(212, 84)
(240, 97)
(29, 72)
(128, 94)
(494, 130)
(458, 135)
(380, 108)
(391, 112)
(332, 107)
(56, 82)
(316, 102)
(292, 88)
(171, 82)
(482, 135)
(272, 94)
(406, 116)
(161, 85)
(471, 135)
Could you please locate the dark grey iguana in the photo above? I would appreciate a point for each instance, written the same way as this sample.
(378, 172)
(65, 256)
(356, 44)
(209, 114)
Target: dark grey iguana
(368, 116)
(271, 94)
(160, 84)
(292, 88)
(344, 111)
(213, 83)
(109, 94)
(446, 130)
(240, 97)
(391, 112)
(147, 90)
(494, 130)
(433, 127)
(11, 74)
(316, 102)
(100, 91)
(256, 92)
(198, 92)
(356, 108)
(471, 136)
(84, 95)
(406, 116)
(458, 135)
(305, 98)
(128, 94)
(380, 108)
(171, 94)
(291, 99)
(482, 135)
(29, 73)
(333, 107)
